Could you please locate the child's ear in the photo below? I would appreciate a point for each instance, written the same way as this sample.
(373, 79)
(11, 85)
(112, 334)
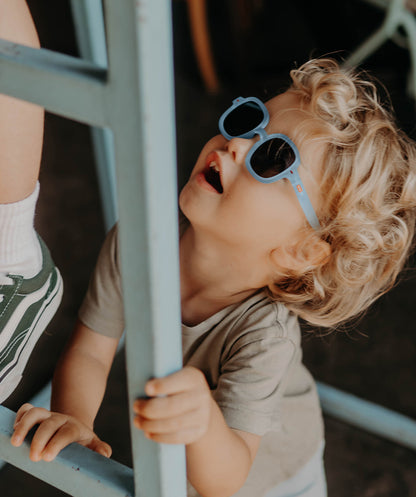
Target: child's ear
(301, 256)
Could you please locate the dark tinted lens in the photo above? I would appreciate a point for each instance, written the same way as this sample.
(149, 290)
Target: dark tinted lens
(272, 158)
(243, 119)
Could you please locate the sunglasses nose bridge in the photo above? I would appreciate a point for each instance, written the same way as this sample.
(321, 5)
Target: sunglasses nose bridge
(261, 133)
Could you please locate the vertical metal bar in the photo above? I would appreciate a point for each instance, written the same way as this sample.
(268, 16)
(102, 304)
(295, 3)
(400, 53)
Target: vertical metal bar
(142, 112)
(89, 27)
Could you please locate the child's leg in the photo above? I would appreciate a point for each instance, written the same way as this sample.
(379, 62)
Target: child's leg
(30, 285)
(21, 123)
(310, 480)
(21, 137)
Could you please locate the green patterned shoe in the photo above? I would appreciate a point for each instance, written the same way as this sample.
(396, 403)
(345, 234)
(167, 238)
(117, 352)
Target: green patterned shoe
(26, 307)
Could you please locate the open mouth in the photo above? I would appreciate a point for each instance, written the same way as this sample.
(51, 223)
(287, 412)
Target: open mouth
(212, 176)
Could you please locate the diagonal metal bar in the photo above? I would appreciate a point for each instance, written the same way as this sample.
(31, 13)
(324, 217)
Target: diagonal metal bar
(77, 470)
(64, 85)
(368, 416)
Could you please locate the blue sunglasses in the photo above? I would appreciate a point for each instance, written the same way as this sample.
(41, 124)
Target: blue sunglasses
(271, 158)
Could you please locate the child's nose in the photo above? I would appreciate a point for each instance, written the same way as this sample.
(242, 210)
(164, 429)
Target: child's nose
(239, 147)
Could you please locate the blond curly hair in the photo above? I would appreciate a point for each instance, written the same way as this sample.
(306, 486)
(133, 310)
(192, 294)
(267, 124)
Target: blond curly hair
(369, 196)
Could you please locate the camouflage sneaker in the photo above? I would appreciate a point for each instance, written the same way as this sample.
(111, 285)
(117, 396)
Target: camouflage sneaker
(26, 307)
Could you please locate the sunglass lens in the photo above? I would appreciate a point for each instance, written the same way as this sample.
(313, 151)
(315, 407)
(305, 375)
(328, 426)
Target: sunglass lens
(272, 158)
(244, 118)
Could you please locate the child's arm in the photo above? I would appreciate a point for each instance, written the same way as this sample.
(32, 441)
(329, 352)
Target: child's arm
(78, 389)
(80, 377)
(182, 410)
(21, 123)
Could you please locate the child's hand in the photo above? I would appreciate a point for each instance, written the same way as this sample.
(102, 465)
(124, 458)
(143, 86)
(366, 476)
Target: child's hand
(55, 432)
(180, 410)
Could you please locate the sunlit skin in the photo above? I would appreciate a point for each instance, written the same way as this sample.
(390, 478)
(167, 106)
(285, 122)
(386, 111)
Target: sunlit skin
(237, 238)
(233, 246)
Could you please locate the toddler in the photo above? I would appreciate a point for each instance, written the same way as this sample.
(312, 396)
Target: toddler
(301, 207)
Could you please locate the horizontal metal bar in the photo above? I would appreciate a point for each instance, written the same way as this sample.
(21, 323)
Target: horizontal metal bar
(76, 470)
(62, 84)
(368, 416)
(41, 399)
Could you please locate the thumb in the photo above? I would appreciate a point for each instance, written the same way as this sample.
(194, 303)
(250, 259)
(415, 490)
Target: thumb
(101, 447)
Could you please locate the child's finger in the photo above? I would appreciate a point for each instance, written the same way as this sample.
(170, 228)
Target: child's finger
(47, 431)
(182, 380)
(22, 410)
(163, 407)
(101, 447)
(66, 434)
(184, 437)
(177, 424)
(27, 421)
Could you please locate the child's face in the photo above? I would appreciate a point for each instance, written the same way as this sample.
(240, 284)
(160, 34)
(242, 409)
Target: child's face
(242, 211)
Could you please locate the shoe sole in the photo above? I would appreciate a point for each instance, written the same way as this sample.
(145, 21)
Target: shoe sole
(11, 378)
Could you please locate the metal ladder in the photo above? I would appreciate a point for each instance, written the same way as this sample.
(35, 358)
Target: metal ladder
(116, 93)
(131, 98)
(398, 14)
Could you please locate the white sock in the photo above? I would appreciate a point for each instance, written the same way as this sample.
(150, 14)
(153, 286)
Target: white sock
(20, 251)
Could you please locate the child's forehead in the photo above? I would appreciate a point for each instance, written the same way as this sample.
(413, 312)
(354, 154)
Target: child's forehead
(285, 110)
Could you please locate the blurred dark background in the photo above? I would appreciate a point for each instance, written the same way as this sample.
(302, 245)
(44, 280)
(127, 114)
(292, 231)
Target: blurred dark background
(255, 43)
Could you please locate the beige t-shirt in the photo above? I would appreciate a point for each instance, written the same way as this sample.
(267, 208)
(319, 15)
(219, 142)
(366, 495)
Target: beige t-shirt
(250, 354)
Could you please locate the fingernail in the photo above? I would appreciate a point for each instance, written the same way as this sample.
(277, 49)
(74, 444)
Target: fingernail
(16, 440)
(150, 388)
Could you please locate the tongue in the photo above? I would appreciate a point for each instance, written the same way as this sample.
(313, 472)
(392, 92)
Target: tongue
(213, 178)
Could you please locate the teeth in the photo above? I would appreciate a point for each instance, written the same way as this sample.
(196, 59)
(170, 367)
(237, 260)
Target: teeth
(214, 165)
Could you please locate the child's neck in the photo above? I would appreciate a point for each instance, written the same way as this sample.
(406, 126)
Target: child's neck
(213, 276)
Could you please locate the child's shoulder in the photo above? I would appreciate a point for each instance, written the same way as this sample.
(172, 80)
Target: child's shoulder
(260, 317)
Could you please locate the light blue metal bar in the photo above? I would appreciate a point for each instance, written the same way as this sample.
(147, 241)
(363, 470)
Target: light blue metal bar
(65, 85)
(77, 470)
(392, 21)
(136, 101)
(397, 16)
(368, 416)
(139, 41)
(41, 399)
(90, 32)
(89, 24)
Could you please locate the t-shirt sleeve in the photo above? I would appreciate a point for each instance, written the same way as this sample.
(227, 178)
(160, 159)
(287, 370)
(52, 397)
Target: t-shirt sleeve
(102, 308)
(252, 381)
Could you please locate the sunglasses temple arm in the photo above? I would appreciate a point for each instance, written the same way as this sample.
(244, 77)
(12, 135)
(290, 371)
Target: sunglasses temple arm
(304, 201)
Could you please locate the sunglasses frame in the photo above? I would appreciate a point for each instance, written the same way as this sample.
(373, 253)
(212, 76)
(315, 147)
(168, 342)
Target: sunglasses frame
(291, 173)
